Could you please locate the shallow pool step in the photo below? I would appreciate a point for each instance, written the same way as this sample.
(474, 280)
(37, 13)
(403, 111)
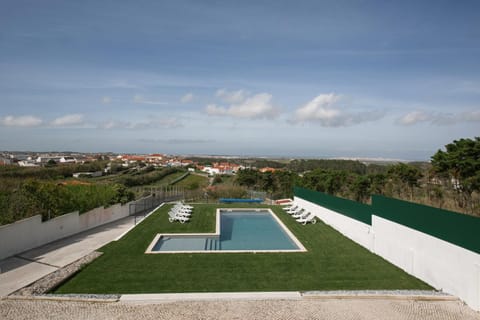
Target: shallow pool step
(216, 244)
(212, 244)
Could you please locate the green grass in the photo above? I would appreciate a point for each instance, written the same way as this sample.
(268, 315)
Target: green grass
(332, 262)
(193, 181)
(166, 180)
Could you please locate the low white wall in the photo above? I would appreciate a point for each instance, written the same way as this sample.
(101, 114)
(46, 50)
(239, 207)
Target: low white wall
(443, 265)
(32, 232)
(351, 228)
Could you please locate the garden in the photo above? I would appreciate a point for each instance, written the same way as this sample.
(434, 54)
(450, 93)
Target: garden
(332, 262)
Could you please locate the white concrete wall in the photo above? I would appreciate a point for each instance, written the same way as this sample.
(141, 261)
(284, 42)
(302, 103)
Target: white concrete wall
(32, 232)
(443, 265)
(351, 228)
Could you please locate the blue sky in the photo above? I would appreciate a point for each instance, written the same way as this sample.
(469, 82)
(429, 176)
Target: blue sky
(389, 79)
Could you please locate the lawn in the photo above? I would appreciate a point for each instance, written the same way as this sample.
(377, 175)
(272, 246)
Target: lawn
(332, 262)
(192, 182)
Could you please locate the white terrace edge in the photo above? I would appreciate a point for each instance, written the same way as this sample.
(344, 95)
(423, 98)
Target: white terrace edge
(217, 234)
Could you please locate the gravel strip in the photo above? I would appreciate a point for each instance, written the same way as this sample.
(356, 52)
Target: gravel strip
(55, 278)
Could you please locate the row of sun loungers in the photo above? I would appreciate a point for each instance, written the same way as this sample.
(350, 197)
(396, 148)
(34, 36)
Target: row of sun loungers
(180, 212)
(300, 214)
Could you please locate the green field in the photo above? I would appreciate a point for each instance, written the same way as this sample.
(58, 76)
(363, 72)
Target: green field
(192, 182)
(332, 262)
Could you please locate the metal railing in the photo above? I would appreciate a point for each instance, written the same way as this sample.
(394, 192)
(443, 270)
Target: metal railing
(157, 196)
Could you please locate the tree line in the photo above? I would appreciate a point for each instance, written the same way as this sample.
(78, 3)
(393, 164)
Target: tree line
(22, 199)
(451, 180)
(50, 192)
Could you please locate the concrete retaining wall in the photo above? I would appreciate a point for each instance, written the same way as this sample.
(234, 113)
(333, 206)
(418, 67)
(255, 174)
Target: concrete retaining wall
(445, 266)
(32, 232)
(351, 228)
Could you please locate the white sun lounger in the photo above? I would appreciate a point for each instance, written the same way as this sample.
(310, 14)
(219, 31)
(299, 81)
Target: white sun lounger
(173, 217)
(301, 214)
(181, 207)
(293, 206)
(186, 206)
(180, 212)
(295, 211)
(309, 218)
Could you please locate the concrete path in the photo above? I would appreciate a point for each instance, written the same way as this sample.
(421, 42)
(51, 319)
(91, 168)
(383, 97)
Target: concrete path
(355, 308)
(19, 271)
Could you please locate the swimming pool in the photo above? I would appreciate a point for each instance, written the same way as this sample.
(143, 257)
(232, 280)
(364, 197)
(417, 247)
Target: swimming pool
(237, 230)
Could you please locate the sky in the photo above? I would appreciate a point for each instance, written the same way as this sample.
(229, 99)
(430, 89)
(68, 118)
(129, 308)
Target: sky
(371, 79)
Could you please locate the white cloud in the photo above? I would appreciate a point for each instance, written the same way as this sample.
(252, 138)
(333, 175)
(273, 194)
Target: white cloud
(106, 100)
(454, 118)
(164, 123)
(414, 117)
(20, 121)
(140, 99)
(123, 84)
(114, 125)
(68, 120)
(471, 115)
(187, 98)
(438, 118)
(325, 110)
(232, 97)
(321, 109)
(214, 110)
(254, 107)
(178, 141)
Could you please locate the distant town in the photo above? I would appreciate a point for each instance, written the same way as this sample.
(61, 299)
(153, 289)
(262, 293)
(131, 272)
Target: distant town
(45, 159)
(41, 159)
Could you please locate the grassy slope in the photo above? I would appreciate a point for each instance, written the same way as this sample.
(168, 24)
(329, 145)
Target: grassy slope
(193, 179)
(166, 180)
(333, 262)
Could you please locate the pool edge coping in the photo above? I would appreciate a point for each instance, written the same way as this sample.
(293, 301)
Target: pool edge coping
(301, 247)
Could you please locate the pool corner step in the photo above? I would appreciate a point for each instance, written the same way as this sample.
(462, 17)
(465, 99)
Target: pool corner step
(212, 244)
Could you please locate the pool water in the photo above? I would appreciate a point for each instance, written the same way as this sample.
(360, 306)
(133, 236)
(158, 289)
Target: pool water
(256, 230)
(253, 231)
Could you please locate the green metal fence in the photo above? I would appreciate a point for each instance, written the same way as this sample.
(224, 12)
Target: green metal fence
(459, 229)
(355, 210)
(456, 228)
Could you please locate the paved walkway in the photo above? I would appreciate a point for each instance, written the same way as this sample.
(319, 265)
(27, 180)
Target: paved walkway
(354, 308)
(25, 268)
(19, 271)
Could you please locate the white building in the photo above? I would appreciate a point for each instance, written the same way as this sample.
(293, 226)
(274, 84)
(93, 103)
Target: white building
(211, 171)
(68, 159)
